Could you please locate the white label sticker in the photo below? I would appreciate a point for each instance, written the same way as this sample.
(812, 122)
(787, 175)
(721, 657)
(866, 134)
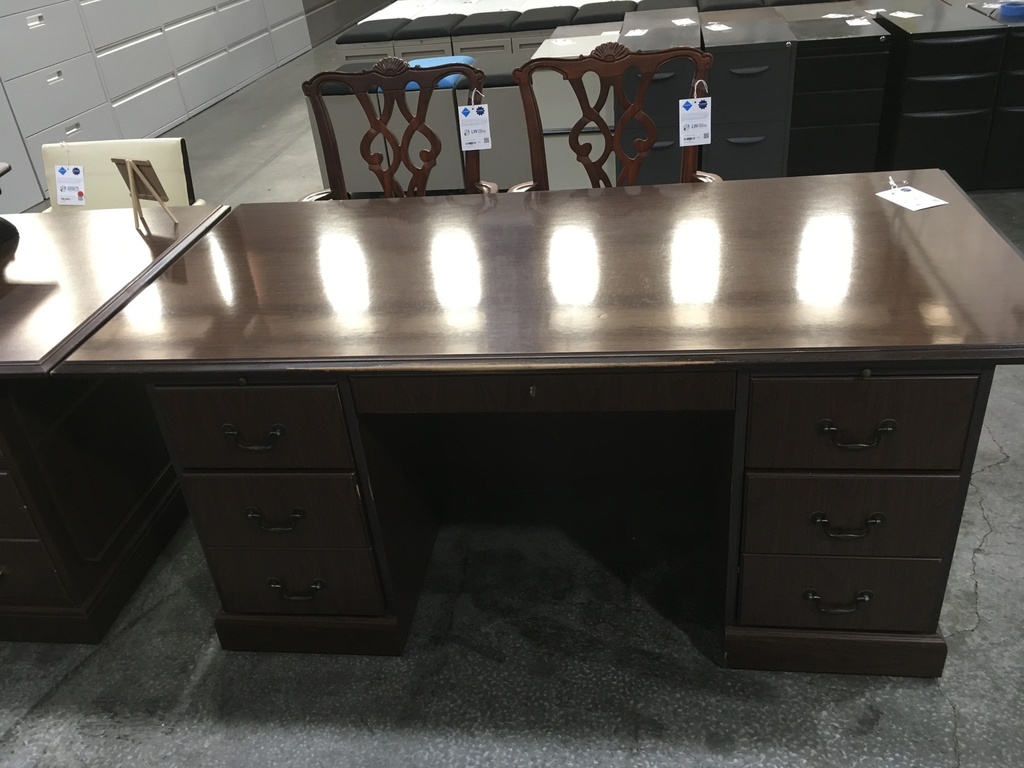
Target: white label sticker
(837, 15)
(694, 121)
(858, 22)
(684, 22)
(904, 15)
(717, 27)
(635, 33)
(911, 198)
(475, 127)
(563, 41)
(70, 180)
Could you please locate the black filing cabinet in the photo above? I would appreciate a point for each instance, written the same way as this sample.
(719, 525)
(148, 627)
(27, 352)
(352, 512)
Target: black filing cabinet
(842, 59)
(941, 91)
(655, 31)
(1004, 161)
(751, 88)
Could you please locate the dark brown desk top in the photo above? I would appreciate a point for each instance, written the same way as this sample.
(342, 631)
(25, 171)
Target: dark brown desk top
(70, 272)
(769, 271)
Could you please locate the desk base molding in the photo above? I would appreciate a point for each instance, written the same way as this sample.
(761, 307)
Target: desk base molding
(384, 636)
(859, 653)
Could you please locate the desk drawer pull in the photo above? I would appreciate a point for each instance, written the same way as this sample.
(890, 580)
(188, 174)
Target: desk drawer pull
(819, 518)
(745, 71)
(230, 430)
(862, 597)
(314, 587)
(297, 514)
(828, 427)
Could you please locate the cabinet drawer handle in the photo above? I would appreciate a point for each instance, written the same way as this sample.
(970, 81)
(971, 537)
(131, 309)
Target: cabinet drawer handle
(297, 514)
(230, 430)
(314, 587)
(862, 597)
(819, 518)
(750, 70)
(36, 21)
(745, 140)
(828, 427)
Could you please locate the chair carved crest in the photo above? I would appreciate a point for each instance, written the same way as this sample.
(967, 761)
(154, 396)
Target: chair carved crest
(384, 92)
(610, 62)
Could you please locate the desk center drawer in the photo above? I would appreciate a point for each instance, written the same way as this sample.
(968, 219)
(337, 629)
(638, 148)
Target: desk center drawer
(274, 509)
(874, 423)
(258, 427)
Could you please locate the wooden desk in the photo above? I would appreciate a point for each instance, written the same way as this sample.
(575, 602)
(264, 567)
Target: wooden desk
(87, 494)
(784, 379)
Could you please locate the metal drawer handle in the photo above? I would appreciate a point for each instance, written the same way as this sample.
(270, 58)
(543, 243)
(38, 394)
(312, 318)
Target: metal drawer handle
(230, 430)
(819, 518)
(36, 21)
(828, 427)
(744, 140)
(314, 587)
(862, 597)
(297, 514)
(750, 70)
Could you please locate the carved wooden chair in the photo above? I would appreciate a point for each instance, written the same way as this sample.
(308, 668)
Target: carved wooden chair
(395, 98)
(624, 77)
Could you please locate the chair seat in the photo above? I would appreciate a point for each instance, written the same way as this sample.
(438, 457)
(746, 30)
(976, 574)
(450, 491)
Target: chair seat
(727, 5)
(430, 26)
(599, 13)
(492, 22)
(544, 18)
(371, 31)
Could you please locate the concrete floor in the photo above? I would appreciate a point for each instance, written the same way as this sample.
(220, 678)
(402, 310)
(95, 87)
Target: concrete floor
(525, 650)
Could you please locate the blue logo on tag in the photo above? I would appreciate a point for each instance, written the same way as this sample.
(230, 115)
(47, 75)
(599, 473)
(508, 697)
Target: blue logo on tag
(703, 103)
(480, 110)
(465, 112)
(62, 170)
(76, 171)
(687, 106)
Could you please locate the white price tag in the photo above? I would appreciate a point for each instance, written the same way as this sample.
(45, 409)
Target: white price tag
(70, 185)
(862, 22)
(717, 26)
(908, 197)
(684, 22)
(904, 15)
(694, 121)
(475, 127)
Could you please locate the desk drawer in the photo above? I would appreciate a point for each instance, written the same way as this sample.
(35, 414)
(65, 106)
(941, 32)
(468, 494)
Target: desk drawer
(752, 85)
(843, 514)
(256, 427)
(27, 576)
(545, 392)
(15, 521)
(276, 510)
(904, 595)
(819, 423)
(307, 581)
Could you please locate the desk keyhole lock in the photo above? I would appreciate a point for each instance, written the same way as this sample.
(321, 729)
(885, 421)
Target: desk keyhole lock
(533, 390)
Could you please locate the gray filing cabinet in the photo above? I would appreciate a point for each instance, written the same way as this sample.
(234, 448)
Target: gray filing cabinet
(752, 91)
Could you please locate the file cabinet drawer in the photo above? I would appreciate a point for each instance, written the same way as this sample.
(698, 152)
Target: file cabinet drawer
(15, 521)
(44, 98)
(298, 581)
(270, 427)
(276, 510)
(859, 593)
(39, 37)
(850, 514)
(876, 423)
(132, 65)
(751, 85)
(27, 576)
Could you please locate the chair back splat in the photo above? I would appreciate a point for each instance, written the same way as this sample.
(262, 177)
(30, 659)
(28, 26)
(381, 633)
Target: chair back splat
(395, 99)
(624, 79)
